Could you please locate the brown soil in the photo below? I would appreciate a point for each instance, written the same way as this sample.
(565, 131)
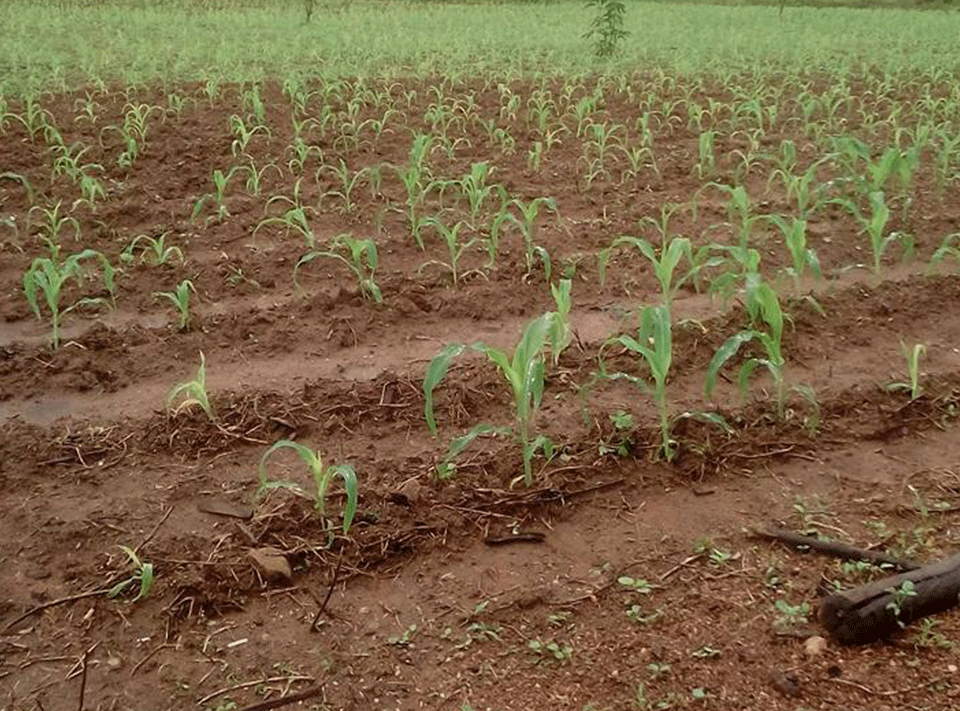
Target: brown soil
(427, 611)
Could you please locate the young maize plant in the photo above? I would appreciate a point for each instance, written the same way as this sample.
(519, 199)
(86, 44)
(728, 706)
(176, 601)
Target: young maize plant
(347, 184)
(665, 264)
(323, 476)
(802, 188)
(300, 152)
(739, 213)
(638, 158)
(24, 183)
(526, 223)
(654, 343)
(455, 249)
(913, 356)
(251, 99)
(293, 219)
(706, 162)
(142, 576)
(180, 298)
(875, 227)
(68, 163)
(255, 176)
(795, 235)
(602, 140)
(152, 250)
(48, 276)
(358, 255)
(194, 392)
(218, 197)
(474, 188)
(416, 180)
(949, 247)
(52, 224)
(244, 134)
(764, 300)
(34, 117)
(561, 334)
(523, 373)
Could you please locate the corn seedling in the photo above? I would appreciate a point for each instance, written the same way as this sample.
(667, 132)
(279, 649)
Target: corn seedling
(48, 276)
(218, 197)
(87, 109)
(875, 226)
(802, 188)
(243, 135)
(706, 162)
(654, 343)
(949, 247)
(417, 183)
(638, 158)
(193, 392)
(68, 163)
(526, 224)
(251, 99)
(358, 255)
(152, 249)
(535, 157)
(180, 298)
(795, 235)
(33, 118)
(770, 340)
(255, 176)
(602, 139)
(455, 247)
(913, 356)
(52, 224)
(300, 152)
(473, 186)
(665, 263)
(561, 333)
(91, 190)
(524, 374)
(293, 219)
(322, 475)
(142, 576)
(24, 183)
(347, 184)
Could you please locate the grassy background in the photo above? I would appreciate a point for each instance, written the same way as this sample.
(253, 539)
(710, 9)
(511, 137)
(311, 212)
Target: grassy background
(134, 41)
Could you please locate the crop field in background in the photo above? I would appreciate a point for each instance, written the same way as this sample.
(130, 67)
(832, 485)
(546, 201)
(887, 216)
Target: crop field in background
(411, 358)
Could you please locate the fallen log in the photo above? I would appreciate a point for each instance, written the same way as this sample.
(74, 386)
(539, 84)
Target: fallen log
(876, 610)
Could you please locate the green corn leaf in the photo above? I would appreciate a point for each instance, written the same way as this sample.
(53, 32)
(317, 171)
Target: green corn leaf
(436, 370)
(458, 444)
(724, 353)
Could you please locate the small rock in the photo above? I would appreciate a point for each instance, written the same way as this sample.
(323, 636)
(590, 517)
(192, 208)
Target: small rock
(786, 684)
(814, 646)
(412, 490)
(952, 668)
(271, 564)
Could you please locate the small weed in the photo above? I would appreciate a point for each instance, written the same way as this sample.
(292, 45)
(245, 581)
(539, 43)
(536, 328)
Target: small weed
(550, 651)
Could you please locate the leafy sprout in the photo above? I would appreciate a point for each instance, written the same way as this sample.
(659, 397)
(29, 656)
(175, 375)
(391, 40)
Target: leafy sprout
(323, 476)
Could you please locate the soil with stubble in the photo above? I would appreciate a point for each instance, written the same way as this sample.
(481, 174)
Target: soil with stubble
(635, 583)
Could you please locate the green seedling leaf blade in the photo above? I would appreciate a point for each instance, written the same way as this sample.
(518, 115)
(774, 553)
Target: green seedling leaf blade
(436, 370)
(117, 589)
(711, 418)
(349, 477)
(146, 581)
(458, 444)
(307, 455)
(724, 353)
